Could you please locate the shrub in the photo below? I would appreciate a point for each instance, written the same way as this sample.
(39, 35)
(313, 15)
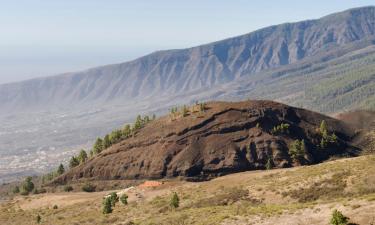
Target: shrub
(107, 206)
(55, 207)
(68, 188)
(124, 199)
(338, 218)
(16, 190)
(175, 201)
(88, 187)
(38, 219)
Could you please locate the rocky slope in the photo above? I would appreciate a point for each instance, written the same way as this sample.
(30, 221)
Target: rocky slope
(226, 138)
(177, 72)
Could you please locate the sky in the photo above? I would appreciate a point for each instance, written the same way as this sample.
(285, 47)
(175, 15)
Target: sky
(48, 37)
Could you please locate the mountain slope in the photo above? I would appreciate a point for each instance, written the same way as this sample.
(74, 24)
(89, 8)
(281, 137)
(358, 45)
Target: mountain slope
(177, 72)
(226, 138)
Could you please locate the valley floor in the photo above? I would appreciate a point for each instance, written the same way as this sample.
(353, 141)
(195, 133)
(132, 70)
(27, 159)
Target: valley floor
(303, 195)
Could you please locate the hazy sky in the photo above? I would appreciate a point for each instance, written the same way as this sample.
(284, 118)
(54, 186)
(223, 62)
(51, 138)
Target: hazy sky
(47, 37)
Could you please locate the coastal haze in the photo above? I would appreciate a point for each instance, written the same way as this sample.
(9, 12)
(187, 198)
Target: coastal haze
(46, 120)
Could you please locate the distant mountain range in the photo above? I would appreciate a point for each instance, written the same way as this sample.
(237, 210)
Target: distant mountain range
(172, 73)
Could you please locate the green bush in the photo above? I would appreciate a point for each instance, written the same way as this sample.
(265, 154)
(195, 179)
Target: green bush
(124, 199)
(338, 218)
(88, 187)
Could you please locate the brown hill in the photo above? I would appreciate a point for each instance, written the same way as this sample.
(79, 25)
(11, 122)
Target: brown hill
(227, 137)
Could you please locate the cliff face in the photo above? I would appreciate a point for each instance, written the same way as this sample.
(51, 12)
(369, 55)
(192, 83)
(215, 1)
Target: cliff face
(226, 138)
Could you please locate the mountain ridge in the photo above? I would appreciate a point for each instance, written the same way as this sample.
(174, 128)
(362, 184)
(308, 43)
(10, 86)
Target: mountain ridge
(171, 72)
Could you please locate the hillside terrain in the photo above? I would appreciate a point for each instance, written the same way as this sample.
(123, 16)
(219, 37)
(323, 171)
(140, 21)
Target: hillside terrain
(217, 138)
(325, 65)
(300, 195)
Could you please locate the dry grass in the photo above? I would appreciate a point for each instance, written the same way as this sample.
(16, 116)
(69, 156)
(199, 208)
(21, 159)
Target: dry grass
(262, 197)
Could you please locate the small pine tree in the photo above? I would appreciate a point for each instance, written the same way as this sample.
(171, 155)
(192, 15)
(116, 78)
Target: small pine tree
(107, 206)
(126, 131)
(185, 111)
(60, 169)
(73, 162)
(338, 218)
(124, 199)
(106, 142)
(175, 201)
(98, 146)
(114, 199)
(82, 156)
(297, 150)
(269, 164)
(138, 123)
(323, 129)
(28, 185)
(38, 219)
(202, 107)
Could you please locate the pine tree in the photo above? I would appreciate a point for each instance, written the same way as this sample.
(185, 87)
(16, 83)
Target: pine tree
(124, 199)
(98, 146)
(60, 169)
(28, 185)
(126, 131)
(73, 162)
(297, 150)
(175, 201)
(323, 129)
(107, 206)
(82, 156)
(106, 142)
(138, 123)
(114, 199)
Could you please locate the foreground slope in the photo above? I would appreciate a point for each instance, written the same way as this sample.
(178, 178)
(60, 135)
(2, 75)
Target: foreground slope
(301, 195)
(226, 137)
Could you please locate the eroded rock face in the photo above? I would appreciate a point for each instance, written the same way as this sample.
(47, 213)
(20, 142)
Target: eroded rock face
(226, 138)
